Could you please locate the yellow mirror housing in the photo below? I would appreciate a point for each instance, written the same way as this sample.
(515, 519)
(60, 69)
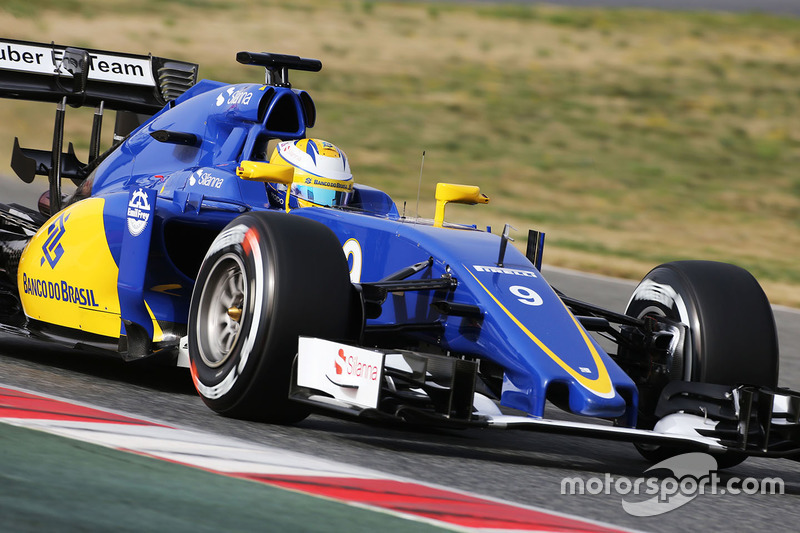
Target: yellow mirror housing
(459, 194)
(268, 172)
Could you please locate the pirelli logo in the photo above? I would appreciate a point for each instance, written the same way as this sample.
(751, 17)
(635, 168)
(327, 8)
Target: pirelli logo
(503, 270)
(104, 66)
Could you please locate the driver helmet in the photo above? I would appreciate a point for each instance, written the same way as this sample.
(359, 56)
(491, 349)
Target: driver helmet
(321, 177)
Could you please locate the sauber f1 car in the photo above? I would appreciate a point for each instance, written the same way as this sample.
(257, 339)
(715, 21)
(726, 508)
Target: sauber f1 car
(185, 240)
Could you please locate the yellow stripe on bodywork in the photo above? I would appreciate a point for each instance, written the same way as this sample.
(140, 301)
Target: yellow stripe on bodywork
(601, 385)
(167, 288)
(158, 334)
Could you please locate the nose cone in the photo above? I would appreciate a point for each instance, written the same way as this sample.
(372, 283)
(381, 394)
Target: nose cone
(582, 401)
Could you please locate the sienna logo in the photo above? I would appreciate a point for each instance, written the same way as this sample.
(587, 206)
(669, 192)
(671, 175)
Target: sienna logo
(350, 373)
(339, 368)
(52, 248)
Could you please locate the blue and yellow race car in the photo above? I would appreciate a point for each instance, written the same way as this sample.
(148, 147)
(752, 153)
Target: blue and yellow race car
(215, 234)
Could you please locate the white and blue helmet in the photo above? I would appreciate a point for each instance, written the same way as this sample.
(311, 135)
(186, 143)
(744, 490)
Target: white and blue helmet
(322, 174)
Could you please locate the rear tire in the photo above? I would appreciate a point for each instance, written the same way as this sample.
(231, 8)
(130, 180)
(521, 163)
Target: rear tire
(266, 279)
(731, 337)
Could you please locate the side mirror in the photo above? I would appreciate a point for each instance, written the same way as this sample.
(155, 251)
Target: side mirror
(460, 194)
(267, 172)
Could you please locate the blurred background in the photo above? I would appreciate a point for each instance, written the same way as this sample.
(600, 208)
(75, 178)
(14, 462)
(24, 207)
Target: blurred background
(631, 136)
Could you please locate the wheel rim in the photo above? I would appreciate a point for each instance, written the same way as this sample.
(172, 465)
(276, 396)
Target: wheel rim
(222, 310)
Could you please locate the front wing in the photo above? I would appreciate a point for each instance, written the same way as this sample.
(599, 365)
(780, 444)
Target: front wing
(434, 390)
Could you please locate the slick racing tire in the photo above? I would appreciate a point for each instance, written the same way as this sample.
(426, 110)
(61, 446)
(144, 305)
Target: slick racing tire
(731, 334)
(266, 279)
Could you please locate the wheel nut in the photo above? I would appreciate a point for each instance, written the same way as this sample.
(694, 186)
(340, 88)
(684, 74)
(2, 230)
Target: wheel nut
(235, 313)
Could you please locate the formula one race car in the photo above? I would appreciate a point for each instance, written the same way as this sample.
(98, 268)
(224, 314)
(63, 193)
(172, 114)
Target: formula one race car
(286, 288)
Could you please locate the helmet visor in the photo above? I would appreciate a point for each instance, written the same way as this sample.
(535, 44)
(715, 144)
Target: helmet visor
(318, 196)
(322, 191)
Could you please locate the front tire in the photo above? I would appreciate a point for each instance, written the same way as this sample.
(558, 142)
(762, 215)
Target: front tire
(731, 335)
(266, 279)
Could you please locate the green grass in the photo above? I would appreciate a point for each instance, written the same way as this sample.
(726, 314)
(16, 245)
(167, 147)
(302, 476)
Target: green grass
(630, 136)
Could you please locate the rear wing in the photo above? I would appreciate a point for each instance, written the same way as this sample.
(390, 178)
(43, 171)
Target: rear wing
(136, 86)
(86, 77)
